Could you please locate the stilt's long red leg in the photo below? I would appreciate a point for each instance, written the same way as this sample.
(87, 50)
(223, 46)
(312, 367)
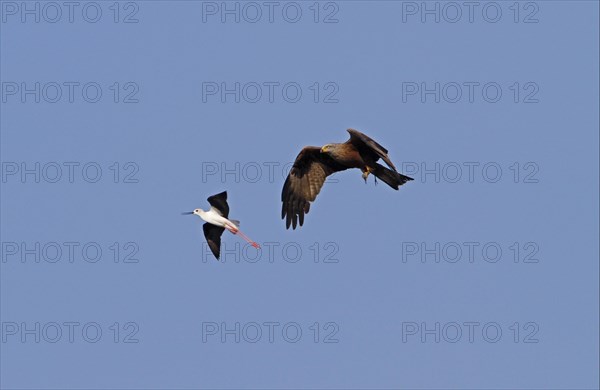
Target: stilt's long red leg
(245, 237)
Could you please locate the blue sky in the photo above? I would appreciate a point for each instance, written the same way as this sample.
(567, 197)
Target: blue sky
(480, 273)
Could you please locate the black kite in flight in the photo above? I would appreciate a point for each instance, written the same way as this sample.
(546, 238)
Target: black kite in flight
(314, 164)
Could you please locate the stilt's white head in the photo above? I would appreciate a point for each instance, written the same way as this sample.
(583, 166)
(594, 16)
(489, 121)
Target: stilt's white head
(197, 212)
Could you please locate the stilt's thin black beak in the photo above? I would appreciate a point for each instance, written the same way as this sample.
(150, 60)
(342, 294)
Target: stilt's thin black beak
(188, 213)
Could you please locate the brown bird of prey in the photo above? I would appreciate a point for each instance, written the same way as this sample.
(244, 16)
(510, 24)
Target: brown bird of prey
(314, 164)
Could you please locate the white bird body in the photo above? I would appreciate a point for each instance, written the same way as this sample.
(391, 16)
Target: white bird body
(214, 217)
(217, 221)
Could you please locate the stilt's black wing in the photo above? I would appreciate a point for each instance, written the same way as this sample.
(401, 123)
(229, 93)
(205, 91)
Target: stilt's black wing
(219, 202)
(213, 237)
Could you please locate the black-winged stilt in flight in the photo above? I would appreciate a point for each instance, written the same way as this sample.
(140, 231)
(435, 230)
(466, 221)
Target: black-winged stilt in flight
(217, 221)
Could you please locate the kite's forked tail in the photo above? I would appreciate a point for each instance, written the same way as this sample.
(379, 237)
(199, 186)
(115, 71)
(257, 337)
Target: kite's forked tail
(391, 178)
(245, 237)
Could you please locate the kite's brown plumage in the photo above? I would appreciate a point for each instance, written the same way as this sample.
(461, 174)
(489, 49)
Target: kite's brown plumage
(314, 164)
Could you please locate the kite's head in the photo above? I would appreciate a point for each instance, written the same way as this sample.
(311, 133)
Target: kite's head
(326, 148)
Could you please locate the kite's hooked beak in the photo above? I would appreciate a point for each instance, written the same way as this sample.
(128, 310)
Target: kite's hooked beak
(188, 213)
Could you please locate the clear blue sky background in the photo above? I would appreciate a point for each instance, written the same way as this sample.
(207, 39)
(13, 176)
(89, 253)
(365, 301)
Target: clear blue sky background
(370, 292)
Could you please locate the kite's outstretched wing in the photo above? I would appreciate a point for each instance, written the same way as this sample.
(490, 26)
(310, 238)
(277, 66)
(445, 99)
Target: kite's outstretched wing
(365, 144)
(304, 182)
